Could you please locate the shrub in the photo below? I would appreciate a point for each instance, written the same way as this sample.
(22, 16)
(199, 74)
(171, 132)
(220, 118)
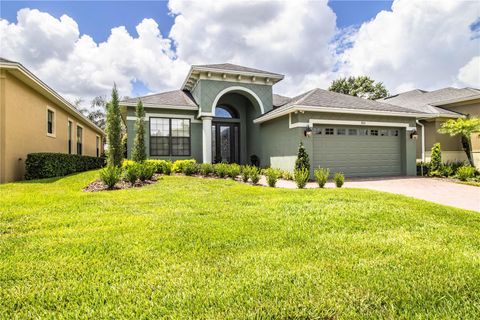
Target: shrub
(114, 130)
(145, 171)
(272, 176)
(436, 159)
(302, 161)
(245, 172)
(126, 163)
(110, 176)
(190, 168)
(179, 164)
(254, 174)
(447, 171)
(339, 179)
(233, 170)
(206, 169)
(426, 168)
(301, 177)
(321, 176)
(161, 166)
(48, 165)
(221, 169)
(131, 172)
(139, 153)
(466, 172)
(286, 175)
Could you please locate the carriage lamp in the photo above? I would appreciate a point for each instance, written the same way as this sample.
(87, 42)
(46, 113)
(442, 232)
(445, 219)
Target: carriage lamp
(308, 132)
(414, 135)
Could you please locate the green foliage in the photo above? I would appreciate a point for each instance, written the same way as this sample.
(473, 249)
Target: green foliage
(161, 166)
(220, 169)
(245, 172)
(272, 176)
(233, 170)
(110, 176)
(302, 162)
(463, 127)
(321, 176)
(114, 131)
(178, 166)
(145, 171)
(206, 169)
(286, 175)
(361, 86)
(466, 172)
(131, 172)
(254, 174)
(127, 163)
(436, 159)
(301, 177)
(190, 168)
(139, 153)
(339, 179)
(48, 165)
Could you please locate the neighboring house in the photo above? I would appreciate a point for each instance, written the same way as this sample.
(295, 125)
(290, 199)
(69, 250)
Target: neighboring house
(441, 105)
(226, 112)
(34, 118)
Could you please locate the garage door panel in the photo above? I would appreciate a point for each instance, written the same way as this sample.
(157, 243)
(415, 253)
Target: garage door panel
(358, 155)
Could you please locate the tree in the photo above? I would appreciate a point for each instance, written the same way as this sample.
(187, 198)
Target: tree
(302, 161)
(96, 112)
(436, 159)
(114, 131)
(361, 86)
(139, 154)
(464, 127)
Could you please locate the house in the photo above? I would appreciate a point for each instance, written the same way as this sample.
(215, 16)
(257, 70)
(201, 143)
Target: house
(227, 112)
(439, 106)
(35, 118)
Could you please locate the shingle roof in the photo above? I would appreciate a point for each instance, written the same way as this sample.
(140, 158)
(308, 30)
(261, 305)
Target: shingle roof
(425, 101)
(279, 100)
(235, 67)
(177, 98)
(5, 60)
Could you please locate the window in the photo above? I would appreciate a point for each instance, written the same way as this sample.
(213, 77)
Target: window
(79, 140)
(374, 132)
(363, 132)
(383, 133)
(341, 132)
(169, 137)
(352, 132)
(98, 146)
(329, 131)
(394, 133)
(50, 122)
(225, 112)
(317, 130)
(69, 134)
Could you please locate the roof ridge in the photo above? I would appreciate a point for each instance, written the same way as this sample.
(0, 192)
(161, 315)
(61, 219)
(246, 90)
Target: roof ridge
(306, 95)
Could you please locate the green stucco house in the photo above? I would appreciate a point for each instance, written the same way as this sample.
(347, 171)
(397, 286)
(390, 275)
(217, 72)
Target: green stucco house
(226, 112)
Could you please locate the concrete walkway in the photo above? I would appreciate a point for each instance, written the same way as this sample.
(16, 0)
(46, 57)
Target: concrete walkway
(430, 189)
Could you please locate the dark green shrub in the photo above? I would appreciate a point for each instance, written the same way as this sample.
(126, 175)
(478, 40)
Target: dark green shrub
(426, 168)
(206, 169)
(48, 165)
(180, 164)
(321, 176)
(301, 177)
(272, 176)
(302, 161)
(139, 153)
(339, 179)
(233, 170)
(190, 168)
(110, 176)
(221, 169)
(131, 173)
(436, 159)
(161, 166)
(447, 171)
(466, 172)
(145, 171)
(245, 173)
(254, 174)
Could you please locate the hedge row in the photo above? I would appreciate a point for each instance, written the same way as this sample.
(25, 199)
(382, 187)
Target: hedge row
(48, 165)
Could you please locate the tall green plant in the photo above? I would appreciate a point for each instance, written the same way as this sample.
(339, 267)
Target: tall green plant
(463, 127)
(139, 153)
(302, 162)
(114, 131)
(436, 158)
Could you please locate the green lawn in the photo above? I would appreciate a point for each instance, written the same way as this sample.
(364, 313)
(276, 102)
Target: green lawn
(201, 248)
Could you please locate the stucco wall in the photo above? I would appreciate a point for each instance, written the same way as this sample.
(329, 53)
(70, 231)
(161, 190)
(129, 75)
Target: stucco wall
(25, 128)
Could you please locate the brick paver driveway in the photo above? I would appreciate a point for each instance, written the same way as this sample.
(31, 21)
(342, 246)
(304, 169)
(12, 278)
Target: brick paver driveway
(430, 189)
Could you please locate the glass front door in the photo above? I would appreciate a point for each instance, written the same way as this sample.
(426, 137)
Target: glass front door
(225, 142)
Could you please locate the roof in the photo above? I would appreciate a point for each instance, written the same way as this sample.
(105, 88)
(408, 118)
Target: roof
(235, 67)
(328, 101)
(430, 101)
(175, 98)
(29, 78)
(279, 100)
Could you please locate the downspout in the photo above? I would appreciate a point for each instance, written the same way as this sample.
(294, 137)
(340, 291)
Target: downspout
(423, 145)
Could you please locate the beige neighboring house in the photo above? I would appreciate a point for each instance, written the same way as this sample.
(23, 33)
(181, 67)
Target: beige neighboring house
(442, 104)
(35, 118)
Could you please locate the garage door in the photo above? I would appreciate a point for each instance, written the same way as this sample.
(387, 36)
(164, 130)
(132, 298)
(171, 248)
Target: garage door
(358, 151)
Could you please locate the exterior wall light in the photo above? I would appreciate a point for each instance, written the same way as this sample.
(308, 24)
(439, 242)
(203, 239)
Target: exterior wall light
(308, 132)
(414, 135)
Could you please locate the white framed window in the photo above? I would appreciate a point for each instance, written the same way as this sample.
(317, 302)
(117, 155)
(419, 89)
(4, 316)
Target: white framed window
(329, 131)
(373, 132)
(51, 122)
(363, 132)
(383, 133)
(70, 136)
(352, 132)
(394, 133)
(341, 132)
(79, 139)
(97, 144)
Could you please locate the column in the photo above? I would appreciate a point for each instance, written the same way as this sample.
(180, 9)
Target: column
(207, 139)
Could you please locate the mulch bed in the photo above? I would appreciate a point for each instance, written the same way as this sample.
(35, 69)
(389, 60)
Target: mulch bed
(98, 185)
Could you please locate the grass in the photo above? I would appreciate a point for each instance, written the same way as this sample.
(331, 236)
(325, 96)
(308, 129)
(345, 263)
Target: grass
(470, 183)
(202, 248)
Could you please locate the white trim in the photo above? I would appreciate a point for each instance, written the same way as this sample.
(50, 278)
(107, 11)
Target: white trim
(70, 120)
(207, 139)
(423, 139)
(296, 124)
(159, 106)
(167, 115)
(82, 139)
(54, 122)
(236, 88)
(359, 123)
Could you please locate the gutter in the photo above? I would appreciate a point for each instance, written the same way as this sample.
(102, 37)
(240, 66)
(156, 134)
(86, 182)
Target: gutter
(423, 145)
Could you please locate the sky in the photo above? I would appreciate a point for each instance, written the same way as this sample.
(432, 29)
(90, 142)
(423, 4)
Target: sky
(80, 48)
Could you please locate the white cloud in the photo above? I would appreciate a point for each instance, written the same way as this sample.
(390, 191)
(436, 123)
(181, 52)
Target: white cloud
(419, 44)
(470, 73)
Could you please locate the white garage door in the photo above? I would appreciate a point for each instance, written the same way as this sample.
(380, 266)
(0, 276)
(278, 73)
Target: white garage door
(358, 151)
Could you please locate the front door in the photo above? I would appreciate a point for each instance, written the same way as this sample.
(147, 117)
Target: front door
(225, 142)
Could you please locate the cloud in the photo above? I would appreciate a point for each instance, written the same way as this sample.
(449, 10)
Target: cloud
(419, 44)
(470, 73)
